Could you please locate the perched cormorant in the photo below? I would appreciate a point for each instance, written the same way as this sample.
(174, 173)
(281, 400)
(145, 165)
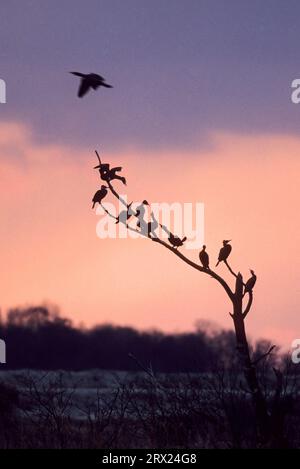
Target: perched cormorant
(112, 174)
(173, 239)
(108, 174)
(141, 209)
(99, 196)
(224, 251)
(152, 226)
(125, 214)
(103, 170)
(250, 282)
(204, 258)
(140, 214)
(147, 228)
(176, 241)
(90, 80)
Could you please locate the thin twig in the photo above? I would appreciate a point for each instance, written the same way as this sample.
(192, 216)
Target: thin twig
(108, 213)
(231, 271)
(116, 194)
(98, 156)
(264, 355)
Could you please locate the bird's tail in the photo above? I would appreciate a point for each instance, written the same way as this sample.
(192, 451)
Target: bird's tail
(165, 229)
(106, 85)
(82, 75)
(184, 239)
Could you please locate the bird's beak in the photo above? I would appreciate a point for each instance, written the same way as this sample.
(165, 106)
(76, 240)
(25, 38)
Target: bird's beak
(97, 167)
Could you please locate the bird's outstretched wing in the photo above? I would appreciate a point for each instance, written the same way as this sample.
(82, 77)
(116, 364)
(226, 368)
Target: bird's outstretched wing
(83, 89)
(77, 74)
(95, 76)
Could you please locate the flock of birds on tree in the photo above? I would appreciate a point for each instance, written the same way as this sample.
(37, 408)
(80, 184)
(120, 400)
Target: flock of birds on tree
(147, 228)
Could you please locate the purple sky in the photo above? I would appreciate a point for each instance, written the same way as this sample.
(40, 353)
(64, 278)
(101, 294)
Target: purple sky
(180, 69)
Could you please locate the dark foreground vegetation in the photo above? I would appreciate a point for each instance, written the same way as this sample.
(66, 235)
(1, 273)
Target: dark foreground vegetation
(175, 391)
(38, 338)
(140, 410)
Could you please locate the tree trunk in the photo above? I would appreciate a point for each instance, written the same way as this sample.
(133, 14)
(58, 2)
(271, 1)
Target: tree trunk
(259, 402)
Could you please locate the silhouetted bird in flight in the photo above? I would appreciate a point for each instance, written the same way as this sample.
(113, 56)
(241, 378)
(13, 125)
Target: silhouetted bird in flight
(204, 258)
(250, 282)
(109, 174)
(90, 80)
(99, 196)
(224, 251)
(125, 214)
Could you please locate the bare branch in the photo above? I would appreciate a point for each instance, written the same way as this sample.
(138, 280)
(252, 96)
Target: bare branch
(148, 371)
(264, 355)
(230, 269)
(108, 213)
(114, 192)
(98, 156)
(197, 267)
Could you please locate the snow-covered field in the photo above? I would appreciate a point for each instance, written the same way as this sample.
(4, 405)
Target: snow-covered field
(85, 395)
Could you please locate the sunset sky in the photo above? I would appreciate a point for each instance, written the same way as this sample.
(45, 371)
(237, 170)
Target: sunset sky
(200, 112)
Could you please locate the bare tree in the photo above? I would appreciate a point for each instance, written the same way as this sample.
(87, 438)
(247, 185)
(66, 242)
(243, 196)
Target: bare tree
(241, 298)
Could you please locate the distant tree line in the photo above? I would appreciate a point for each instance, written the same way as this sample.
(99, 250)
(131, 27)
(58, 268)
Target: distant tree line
(38, 338)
